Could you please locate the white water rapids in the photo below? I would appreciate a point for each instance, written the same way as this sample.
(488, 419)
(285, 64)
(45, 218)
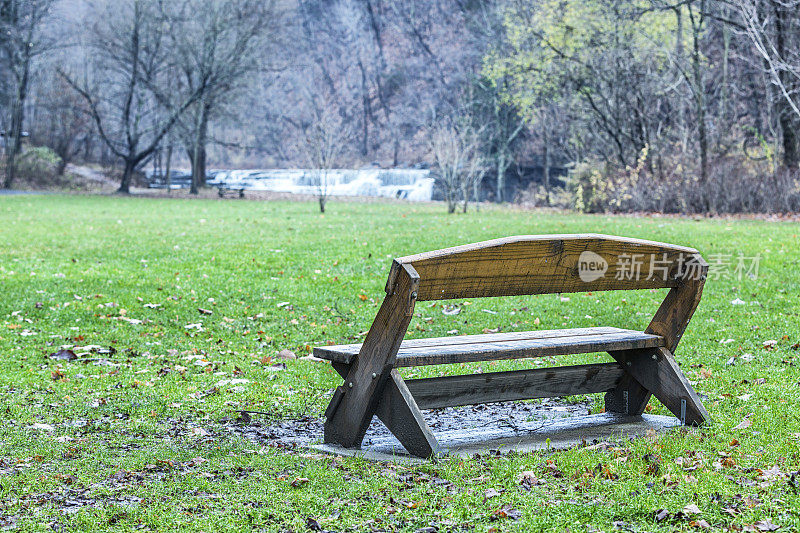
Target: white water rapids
(410, 184)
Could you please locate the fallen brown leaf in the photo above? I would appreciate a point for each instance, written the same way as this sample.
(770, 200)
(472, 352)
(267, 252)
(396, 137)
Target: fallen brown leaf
(506, 511)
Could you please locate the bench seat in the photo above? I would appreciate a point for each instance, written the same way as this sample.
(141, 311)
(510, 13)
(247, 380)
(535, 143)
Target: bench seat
(496, 346)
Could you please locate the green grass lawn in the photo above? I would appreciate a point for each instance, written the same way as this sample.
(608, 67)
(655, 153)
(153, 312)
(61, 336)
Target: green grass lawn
(131, 437)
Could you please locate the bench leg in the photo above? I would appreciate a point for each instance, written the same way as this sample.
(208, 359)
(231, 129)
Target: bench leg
(354, 403)
(627, 398)
(655, 371)
(399, 412)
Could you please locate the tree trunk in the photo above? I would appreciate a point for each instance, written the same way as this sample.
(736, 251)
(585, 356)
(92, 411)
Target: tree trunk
(791, 155)
(501, 176)
(786, 117)
(449, 196)
(700, 103)
(476, 193)
(10, 168)
(14, 142)
(546, 172)
(203, 138)
(194, 187)
(127, 176)
(199, 168)
(702, 138)
(168, 169)
(17, 118)
(156, 162)
(62, 166)
(322, 201)
(366, 110)
(726, 51)
(87, 148)
(197, 154)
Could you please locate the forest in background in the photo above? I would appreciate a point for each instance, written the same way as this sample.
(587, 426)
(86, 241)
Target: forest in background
(654, 105)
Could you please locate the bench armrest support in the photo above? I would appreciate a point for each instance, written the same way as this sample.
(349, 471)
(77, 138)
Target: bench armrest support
(349, 419)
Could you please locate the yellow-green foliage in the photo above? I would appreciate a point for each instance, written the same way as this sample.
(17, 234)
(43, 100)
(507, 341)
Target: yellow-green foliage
(590, 187)
(37, 161)
(554, 42)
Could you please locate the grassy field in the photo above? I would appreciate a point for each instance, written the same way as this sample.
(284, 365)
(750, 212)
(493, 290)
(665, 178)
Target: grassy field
(178, 297)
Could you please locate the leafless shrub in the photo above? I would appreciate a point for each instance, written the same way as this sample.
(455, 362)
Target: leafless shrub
(325, 141)
(458, 162)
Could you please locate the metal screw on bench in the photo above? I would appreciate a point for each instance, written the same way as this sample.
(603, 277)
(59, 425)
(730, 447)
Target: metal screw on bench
(374, 375)
(350, 384)
(655, 357)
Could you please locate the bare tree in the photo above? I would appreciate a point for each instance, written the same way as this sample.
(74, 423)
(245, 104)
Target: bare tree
(459, 165)
(217, 45)
(21, 41)
(773, 26)
(500, 123)
(62, 121)
(325, 141)
(131, 60)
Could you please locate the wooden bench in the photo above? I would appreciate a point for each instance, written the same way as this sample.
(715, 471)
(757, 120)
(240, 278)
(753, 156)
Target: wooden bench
(223, 191)
(643, 362)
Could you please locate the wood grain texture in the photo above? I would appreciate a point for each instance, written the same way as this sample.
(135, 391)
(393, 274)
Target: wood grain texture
(517, 266)
(658, 372)
(675, 312)
(398, 410)
(336, 352)
(449, 391)
(629, 397)
(542, 264)
(367, 374)
(449, 350)
(670, 322)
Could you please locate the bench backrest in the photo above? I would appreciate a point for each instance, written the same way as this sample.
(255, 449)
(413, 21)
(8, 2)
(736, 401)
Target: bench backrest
(542, 264)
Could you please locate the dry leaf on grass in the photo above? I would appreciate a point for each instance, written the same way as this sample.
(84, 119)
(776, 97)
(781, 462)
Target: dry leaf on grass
(286, 354)
(63, 355)
(691, 509)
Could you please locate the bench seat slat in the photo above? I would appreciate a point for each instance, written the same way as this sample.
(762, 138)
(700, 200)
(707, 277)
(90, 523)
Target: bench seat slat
(486, 337)
(515, 345)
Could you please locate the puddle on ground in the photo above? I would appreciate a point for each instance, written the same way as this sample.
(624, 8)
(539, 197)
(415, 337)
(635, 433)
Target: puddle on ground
(492, 416)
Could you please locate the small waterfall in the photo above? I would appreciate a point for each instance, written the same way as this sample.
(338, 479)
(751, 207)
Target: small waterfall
(410, 184)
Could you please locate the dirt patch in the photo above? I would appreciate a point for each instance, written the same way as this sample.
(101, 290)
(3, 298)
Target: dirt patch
(493, 416)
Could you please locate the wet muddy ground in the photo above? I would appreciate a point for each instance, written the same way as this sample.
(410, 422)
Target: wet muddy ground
(492, 417)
